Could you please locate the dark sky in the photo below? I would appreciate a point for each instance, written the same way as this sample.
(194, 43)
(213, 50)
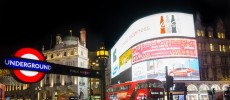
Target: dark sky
(33, 23)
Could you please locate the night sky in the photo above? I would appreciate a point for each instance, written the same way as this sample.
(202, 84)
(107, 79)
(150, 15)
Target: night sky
(35, 23)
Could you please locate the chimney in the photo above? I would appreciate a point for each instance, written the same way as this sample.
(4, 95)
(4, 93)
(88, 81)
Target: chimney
(83, 36)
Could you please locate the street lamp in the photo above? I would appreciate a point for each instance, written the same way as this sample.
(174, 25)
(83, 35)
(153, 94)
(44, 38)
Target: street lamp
(102, 56)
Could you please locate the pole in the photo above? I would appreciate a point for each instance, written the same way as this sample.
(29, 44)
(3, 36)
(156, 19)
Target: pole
(102, 65)
(90, 84)
(103, 84)
(166, 76)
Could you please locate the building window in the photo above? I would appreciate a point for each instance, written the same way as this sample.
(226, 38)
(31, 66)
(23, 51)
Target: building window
(224, 49)
(199, 46)
(81, 53)
(81, 64)
(72, 52)
(202, 33)
(58, 78)
(65, 53)
(223, 35)
(211, 47)
(68, 81)
(45, 56)
(198, 32)
(58, 54)
(52, 56)
(220, 47)
(229, 47)
(47, 79)
(210, 34)
(219, 35)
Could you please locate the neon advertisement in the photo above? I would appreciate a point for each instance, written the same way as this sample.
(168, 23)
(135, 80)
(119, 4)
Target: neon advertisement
(161, 48)
(163, 37)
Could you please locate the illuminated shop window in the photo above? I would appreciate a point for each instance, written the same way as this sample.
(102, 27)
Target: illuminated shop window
(72, 52)
(211, 47)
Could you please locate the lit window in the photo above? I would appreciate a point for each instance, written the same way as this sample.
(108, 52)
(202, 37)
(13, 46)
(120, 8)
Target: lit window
(211, 47)
(202, 33)
(219, 35)
(224, 49)
(210, 34)
(223, 35)
(220, 47)
(198, 33)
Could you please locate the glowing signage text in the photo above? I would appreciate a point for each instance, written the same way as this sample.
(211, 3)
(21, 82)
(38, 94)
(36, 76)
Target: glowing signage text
(27, 65)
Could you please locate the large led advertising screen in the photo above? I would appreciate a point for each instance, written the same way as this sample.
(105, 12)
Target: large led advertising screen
(156, 41)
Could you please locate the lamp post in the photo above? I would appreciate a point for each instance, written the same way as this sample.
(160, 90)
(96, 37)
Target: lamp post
(102, 56)
(90, 84)
(90, 87)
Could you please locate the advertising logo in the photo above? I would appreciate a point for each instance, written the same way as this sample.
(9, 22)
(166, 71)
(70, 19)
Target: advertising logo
(25, 75)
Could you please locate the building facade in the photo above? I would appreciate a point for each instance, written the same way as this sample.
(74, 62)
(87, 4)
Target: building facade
(214, 57)
(70, 51)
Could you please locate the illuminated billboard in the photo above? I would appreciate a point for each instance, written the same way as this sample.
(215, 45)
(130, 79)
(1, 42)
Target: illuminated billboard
(158, 38)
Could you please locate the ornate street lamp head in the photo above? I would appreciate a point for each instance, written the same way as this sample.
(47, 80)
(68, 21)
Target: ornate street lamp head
(102, 55)
(102, 52)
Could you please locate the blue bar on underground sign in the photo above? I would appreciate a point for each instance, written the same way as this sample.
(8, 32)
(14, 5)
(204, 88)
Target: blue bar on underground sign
(26, 64)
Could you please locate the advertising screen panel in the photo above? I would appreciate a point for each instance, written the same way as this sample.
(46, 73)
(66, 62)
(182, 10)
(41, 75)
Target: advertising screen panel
(163, 36)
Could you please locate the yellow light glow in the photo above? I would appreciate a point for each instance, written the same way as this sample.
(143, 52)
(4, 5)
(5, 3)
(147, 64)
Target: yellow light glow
(97, 53)
(106, 53)
(102, 53)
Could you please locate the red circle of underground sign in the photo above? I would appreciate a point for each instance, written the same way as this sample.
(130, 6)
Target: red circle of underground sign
(19, 74)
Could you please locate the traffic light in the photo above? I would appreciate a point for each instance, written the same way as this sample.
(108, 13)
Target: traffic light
(91, 91)
(169, 81)
(213, 90)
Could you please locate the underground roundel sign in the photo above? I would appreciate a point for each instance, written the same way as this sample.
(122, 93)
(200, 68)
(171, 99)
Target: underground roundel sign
(26, 75)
